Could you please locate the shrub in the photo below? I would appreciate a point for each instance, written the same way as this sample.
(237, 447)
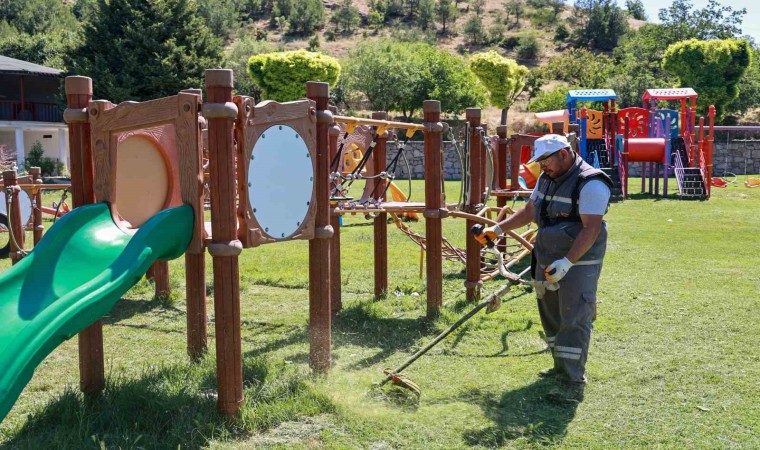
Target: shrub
(36, 158)
(550, 100)
(528, 48)
(282, 76)
(561, 33)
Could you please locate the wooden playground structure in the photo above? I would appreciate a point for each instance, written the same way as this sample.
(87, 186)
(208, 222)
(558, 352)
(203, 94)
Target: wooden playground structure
(144, 158)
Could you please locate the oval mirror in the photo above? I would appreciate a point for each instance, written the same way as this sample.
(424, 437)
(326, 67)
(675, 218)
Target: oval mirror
(142, 179)
(24, 202)
(280, 181)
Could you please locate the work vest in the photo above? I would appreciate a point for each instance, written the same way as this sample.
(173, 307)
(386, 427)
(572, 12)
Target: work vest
(556, 213)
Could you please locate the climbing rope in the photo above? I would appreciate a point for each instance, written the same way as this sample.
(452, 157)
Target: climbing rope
(9, 192)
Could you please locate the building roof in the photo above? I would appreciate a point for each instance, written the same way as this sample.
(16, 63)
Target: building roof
(18, 67)
(668, 94)
(600, 95)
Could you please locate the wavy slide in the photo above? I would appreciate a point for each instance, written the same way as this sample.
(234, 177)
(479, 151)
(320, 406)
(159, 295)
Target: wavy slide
(72, 278)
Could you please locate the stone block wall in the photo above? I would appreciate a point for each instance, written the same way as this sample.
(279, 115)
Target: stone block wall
(732, 156)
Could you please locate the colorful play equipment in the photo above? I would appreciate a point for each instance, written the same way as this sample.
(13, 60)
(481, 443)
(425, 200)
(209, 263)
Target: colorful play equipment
(667, 139)
(139, 172)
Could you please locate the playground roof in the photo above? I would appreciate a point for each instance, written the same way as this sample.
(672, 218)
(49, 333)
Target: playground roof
(668, 94)
(17, 67)
(593, 95)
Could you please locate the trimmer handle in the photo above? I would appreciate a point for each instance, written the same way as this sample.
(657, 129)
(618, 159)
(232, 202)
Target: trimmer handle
(477, 230)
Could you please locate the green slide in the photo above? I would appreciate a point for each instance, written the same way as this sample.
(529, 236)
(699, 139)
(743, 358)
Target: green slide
(72, 278)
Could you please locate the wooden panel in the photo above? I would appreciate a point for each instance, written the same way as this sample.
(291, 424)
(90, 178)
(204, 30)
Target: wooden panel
(299, 115)
(177, 115)
(594, 128)
(133, 115)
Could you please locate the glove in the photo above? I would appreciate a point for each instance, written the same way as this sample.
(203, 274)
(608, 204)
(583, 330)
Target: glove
(557, 270)
(486, 236)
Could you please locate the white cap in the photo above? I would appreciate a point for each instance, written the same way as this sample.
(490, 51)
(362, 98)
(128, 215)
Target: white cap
(548, 144)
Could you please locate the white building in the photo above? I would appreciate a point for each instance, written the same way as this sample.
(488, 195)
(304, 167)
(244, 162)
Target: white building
(31, 110)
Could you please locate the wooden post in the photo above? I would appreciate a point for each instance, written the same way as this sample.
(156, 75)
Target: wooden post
(195, 276)
(336, 301)
(433, 204)
(320, 326)
(224, 247)
(483, 165)
(36, 173)
(473, 283)
(381, 220)
(709, 149)
(15, 226)
(161, 279)
(515, 152)
(78, 97)
(195, 291)
(501, 166)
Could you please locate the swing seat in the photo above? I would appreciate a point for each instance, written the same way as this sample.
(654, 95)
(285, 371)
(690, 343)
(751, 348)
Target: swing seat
(752, 182)
(719, 182)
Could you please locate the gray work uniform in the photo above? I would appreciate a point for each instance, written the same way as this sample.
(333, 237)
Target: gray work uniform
(566, 314)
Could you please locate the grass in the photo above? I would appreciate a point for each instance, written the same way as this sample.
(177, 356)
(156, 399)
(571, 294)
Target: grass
(673, 360)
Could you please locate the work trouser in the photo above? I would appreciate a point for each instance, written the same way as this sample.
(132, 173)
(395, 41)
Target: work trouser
(566, 315)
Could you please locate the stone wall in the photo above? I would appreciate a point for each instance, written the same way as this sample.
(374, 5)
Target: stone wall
(728, 156)
(414, 153)
(736, 156)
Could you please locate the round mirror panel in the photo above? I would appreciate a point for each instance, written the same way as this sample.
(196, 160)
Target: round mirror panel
(280, 181)
(142, 180)
(24, 202)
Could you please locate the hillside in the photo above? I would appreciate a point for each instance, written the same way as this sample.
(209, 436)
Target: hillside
(500, 32)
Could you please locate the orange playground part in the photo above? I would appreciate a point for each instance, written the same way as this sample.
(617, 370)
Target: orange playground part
(646, 149)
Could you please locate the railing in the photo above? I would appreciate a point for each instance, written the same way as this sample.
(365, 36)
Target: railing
(678, 170)
(31, 111)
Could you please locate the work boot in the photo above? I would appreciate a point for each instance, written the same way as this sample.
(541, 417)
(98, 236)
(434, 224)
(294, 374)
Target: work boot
(552, 372)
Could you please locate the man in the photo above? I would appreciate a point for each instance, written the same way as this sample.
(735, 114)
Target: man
(568, 205)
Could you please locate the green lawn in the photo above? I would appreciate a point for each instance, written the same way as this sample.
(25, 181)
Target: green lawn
(674, 360)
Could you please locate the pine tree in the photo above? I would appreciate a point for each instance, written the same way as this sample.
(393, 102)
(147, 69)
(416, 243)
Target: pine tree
(143, 49)
(447, 13)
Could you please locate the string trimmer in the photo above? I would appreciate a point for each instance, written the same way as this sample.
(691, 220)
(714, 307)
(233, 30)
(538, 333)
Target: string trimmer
(492, 303)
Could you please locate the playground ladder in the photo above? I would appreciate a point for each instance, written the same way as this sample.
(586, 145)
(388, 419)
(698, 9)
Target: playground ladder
(691, 185)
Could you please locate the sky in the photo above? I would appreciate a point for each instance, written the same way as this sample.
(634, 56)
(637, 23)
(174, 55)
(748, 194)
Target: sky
(750, 24)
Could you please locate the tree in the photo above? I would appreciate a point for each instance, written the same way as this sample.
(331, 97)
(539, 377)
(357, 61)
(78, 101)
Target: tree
(638, 64)
(503, 78)
(514, 8)
(38, 16)
(683, 21)
(446, 12)
(477, 6)
(557, 6)
(605, 23)
(143, 49)
(282, 76)
(426, 15)
(579, 67)
(749, 87)
(551, 100)
(221, 16)
(347, 16)
(47, 50)
(473, 28)
(636, 9)
(713, 68)
(406, 74)
(306, 16)
(236, 58)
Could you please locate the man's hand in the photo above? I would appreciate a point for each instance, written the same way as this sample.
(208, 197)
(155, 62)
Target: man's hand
(557, 270)
(486, 235)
